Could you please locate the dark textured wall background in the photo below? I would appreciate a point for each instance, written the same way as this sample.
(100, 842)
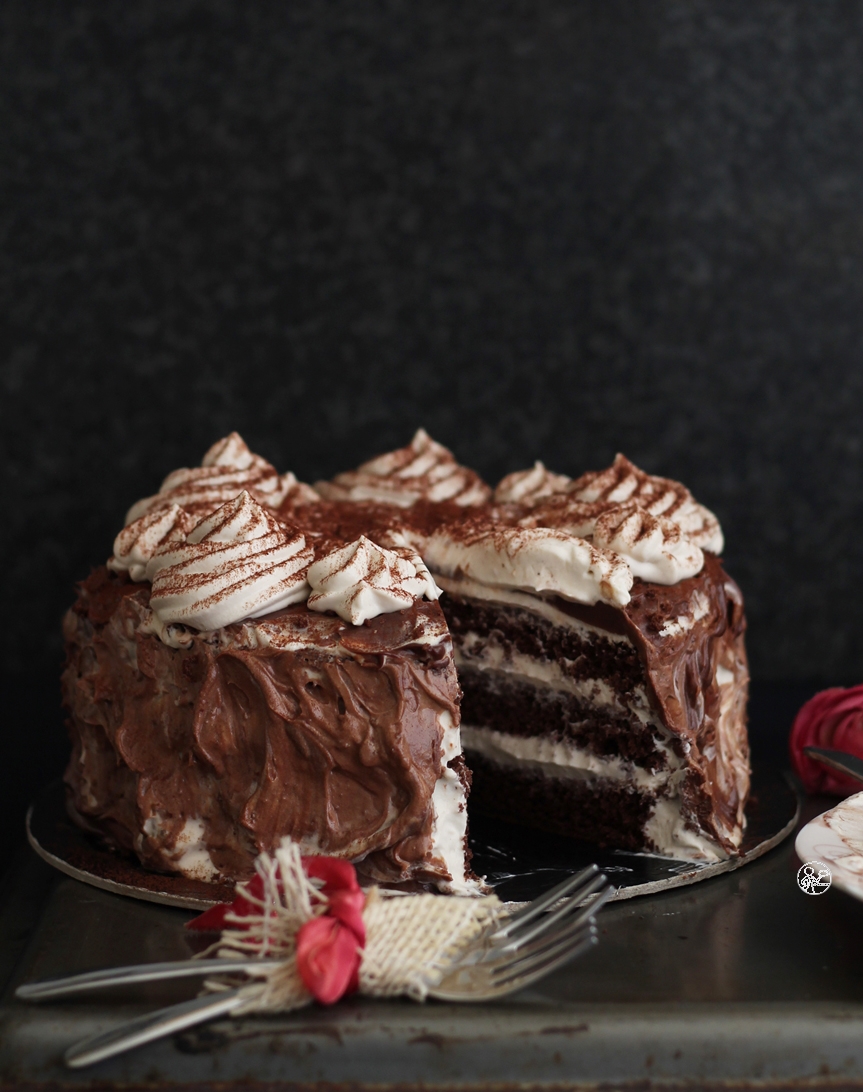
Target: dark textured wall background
(541, 229)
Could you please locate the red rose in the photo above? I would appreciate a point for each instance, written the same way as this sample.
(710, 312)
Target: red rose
(832, 719)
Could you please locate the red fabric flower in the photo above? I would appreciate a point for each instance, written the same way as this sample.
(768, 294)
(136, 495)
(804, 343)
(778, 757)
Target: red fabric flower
(832, 719)
(341, 888)
(329, 947)
(328, 959)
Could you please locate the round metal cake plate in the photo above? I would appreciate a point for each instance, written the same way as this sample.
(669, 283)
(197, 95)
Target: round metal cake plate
(518, 863)
(64, 845)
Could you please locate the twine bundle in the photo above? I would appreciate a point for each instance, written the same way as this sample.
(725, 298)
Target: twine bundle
(411, 940)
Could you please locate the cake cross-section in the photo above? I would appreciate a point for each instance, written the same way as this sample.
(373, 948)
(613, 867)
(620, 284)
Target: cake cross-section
(600, 649)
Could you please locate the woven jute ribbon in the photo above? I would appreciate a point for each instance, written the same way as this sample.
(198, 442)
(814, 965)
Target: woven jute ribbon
(411, 941)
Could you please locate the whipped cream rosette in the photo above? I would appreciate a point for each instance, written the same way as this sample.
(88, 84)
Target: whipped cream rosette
(655, 548)
(362, 580)
(240, 562)
(554, 500)
(624, 482)
(228, 468)
(529, 486)
(424, 470)
(140, 539)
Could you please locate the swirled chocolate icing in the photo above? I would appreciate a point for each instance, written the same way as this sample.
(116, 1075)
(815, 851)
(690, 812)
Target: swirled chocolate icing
(208, 754)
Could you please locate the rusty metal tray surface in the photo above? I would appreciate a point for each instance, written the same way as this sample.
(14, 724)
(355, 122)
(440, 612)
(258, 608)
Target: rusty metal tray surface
(739, 980)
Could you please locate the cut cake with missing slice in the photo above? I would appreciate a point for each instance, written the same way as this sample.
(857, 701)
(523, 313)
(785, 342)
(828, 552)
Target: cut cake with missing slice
(263, 659)
(599, 645)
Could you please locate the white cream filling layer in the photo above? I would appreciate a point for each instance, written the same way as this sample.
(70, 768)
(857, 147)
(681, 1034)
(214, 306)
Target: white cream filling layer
(487, 654)
(536, 604)
(450, 814)
(556, 758)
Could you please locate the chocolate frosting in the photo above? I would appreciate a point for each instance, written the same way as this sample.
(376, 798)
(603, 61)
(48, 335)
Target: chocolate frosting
(683, 665)
(337, 744)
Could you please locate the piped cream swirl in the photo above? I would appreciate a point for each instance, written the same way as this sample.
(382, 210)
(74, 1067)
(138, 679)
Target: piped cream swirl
(654, 524)
(624, 482)
(240, 562)
(227, 468)
(424, 470)
(655, 548)
(139, 540)
(530, 486)
(362, 580)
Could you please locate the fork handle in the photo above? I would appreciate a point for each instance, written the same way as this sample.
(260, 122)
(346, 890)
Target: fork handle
(120, 976)
(145, 1029)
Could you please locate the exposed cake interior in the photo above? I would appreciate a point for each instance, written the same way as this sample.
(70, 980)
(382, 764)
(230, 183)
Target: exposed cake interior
(565, 726)
(599, 646)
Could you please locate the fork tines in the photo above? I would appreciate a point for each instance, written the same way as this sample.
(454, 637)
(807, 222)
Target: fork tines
(533, 943)
(575, 889)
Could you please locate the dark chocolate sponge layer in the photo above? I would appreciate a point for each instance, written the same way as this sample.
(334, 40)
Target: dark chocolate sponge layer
(609, 815)
(519, 708)
(580, 655)
(684, 653)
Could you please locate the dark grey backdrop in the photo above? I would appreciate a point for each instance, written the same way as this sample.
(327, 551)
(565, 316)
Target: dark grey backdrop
(550, 228)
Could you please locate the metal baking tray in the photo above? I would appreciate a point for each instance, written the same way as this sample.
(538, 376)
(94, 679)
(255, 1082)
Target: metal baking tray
(739, 980)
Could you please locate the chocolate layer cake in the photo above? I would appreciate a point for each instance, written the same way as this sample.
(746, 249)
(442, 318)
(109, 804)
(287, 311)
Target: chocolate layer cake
(261, 658)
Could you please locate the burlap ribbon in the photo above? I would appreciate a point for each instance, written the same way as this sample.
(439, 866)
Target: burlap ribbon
(411, 941)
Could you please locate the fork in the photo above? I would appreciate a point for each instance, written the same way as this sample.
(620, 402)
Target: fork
(517, 956)
(528, 946)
